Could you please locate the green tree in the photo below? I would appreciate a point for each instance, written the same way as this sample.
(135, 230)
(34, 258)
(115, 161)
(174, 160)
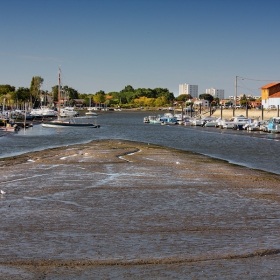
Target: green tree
(21, 95)
(206, 96)
(165, 93)
(4, 89)
(72, 93)
(6, 93)
(217, 100)
(35, 87)
(55, 93)
(161, 101)
(184, 97)
(99, 97)
(128, 88)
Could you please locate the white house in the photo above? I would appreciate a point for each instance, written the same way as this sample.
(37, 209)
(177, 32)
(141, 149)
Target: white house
(202, 102)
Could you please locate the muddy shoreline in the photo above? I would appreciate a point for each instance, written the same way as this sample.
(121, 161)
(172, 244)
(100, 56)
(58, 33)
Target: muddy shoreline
(113, 208)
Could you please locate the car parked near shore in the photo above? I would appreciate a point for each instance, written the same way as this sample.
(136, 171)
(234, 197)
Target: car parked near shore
(239, 107)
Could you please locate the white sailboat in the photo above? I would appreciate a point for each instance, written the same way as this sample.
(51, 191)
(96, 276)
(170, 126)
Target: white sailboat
(90, 110)
(65, 122)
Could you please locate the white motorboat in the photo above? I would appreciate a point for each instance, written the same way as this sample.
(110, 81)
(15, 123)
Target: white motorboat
(197, 122)
(68, 112)
(210, 121)
(48, 112)
(234, 123)
(273, 125)
(91, 113)
(155, 119)
(43, 111)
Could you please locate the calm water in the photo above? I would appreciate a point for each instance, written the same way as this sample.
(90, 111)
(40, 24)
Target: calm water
(252, 149)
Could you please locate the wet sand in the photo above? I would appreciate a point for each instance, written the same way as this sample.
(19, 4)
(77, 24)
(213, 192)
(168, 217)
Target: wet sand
(116, 209)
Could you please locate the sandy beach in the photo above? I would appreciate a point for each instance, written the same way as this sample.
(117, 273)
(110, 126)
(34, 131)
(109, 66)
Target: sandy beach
(116, 209)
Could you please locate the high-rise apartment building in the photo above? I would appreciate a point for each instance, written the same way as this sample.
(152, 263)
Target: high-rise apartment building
(216, 93)
(189, 89)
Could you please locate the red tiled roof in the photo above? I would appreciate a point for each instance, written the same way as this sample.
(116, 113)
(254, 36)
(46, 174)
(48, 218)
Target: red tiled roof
(275, 95)
(269, 85)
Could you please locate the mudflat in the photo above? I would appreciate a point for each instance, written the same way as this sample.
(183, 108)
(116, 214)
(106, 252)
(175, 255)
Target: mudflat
(115, 209)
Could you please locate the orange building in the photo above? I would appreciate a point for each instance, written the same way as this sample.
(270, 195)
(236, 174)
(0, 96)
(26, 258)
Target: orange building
(271, 95)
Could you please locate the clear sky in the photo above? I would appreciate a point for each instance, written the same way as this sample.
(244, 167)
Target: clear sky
(109, 44)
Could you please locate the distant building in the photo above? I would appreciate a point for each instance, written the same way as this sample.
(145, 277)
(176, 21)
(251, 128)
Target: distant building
(216, 93)
(270, 94)
(189, 89)
(78, 102)
(202, 102)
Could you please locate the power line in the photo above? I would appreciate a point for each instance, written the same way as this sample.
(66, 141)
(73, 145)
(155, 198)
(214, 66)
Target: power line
(257, 80)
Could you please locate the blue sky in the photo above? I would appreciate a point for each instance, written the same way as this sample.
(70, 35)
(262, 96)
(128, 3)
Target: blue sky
(109, 44)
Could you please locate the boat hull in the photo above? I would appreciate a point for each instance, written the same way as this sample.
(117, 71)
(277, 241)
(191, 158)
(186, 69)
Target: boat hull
(67, 124)
(92, 114)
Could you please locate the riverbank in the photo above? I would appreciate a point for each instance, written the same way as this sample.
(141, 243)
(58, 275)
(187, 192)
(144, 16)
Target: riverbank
(252, 113)
(115, 209)
(225, 113)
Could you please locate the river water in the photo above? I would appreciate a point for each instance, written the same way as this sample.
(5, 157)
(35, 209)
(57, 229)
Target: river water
(258, 150)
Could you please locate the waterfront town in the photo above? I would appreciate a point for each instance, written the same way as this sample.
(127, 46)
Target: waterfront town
(208, 109)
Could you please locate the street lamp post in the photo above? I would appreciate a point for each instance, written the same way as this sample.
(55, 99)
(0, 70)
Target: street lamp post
(235, 97)
(236, 90)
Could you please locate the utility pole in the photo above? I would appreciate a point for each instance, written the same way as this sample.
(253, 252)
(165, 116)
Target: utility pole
(235, 97)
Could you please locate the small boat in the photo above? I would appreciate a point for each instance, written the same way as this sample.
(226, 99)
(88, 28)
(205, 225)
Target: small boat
(68, 112)
(146, 120)
(64, 123)
(43, 111)
(91, 113)
(253, 126)
(273, 125)
(90, 110)
(197, 122)
(210, 122)
(168, 119)
(22, 115)
(234, 123)
(155, 119)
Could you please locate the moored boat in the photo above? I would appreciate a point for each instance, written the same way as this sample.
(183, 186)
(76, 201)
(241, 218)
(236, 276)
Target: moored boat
(43, 111)
(273, 125)
(65, 122)
(62, 123)
(91, 113)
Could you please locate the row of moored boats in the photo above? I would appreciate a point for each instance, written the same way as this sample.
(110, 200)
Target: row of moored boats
(239, 123)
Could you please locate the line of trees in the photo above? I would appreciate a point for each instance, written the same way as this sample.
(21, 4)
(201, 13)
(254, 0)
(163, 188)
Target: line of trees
(128, 96)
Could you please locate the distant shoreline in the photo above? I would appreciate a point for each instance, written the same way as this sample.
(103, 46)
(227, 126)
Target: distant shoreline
(252, 113)
(226, 113)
